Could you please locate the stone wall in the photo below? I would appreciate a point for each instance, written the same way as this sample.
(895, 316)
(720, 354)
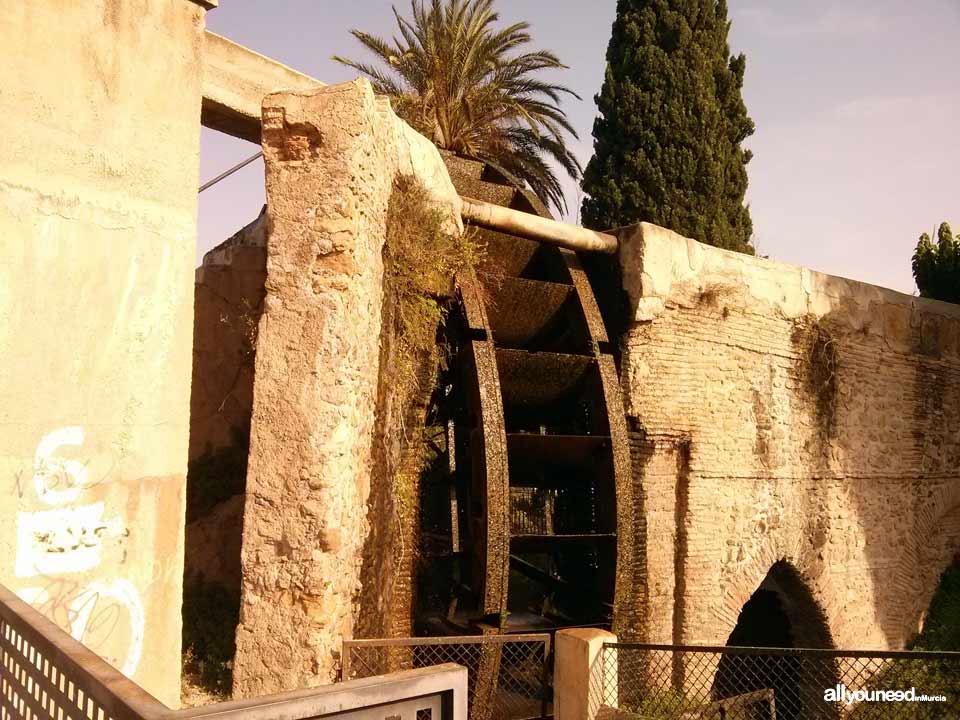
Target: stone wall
(779, 414)
(331, 160)
(98, 204)
(228, 302)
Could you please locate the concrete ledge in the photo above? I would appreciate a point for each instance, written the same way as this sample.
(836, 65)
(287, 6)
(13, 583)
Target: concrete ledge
(235, 81)
(662, 269)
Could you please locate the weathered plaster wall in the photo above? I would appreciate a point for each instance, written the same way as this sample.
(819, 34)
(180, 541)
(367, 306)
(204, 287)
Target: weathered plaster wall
(331, 160)
(782, 414)
(97, 230)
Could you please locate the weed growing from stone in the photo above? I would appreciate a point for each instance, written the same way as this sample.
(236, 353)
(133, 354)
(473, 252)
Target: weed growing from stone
(425, 260)
(824, 362)
(210, 615)
(819, 366)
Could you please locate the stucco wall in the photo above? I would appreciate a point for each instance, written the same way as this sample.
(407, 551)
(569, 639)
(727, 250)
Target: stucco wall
(331, 160)
(783, 414)
(100, 128)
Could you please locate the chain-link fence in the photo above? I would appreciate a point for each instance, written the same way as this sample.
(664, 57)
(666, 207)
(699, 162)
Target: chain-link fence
(509, 676)
(665, 682)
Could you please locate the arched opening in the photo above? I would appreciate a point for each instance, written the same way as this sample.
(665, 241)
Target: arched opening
(781, 613)
(940, 628)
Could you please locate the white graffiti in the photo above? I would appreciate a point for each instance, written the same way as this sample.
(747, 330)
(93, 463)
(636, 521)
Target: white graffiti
(95, 613)
(68, 539)
(59, 480)
(64, 540)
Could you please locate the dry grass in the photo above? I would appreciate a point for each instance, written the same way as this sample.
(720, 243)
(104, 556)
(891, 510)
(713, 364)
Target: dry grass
(194, 692)
(425, 261)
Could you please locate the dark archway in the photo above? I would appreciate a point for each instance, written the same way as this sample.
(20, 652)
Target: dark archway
(781, 613)
(941, 622)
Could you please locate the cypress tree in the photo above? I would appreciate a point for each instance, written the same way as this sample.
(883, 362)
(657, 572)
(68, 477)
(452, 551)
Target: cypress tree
(667, 141)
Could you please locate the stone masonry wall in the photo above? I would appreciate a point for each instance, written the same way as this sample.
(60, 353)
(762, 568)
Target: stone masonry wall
(331, 160)
(228, 302)
(229, 291)
(782, 414)
(98, 207)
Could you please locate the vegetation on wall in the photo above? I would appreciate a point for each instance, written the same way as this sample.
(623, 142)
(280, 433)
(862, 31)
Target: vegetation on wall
(936, 267)
(425, 259)
(473, 88)
(818, 364)
(824, 363)
(668, 141)
(941, 627)
(941, 632)
(210, 616)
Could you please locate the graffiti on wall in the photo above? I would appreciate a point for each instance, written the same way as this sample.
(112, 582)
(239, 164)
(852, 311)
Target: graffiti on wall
(64, 542)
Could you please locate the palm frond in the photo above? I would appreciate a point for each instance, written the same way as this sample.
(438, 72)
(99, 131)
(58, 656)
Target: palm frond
(465, 82)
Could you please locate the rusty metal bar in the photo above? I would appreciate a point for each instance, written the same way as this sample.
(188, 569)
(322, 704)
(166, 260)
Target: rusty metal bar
(534, 227)
(231, 171)
(26, 632)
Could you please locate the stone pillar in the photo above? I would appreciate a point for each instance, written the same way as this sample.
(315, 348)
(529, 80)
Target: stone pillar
(580, 684)
(98, 204)
(331, 156)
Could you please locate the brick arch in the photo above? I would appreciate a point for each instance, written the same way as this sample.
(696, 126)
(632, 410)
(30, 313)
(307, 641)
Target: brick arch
(935, 546)
(808, 621)
(776, 567)
(787, 614)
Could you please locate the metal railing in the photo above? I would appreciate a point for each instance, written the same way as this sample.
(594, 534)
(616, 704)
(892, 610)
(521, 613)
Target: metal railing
(508, 675)
(45, 673)
(667, 682)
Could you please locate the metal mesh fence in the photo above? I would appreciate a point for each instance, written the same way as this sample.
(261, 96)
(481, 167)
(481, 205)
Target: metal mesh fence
(661, 682)
(508, 675)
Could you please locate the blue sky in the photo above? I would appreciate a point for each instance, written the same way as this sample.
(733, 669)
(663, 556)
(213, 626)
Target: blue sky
(856, 102)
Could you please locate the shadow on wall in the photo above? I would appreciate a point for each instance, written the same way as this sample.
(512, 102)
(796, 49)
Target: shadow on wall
(229, 294)
(885, 387)
(825, 421)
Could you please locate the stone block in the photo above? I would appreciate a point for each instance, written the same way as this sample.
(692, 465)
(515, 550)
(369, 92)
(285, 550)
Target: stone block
(332, 157)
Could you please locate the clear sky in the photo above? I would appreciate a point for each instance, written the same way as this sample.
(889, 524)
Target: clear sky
(856, 102)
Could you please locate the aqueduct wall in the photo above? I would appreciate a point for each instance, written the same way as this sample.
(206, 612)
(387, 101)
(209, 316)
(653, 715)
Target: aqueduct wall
(779, 414)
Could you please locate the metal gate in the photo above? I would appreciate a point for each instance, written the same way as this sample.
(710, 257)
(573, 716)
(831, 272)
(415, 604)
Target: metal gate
(508, 675)
(678, 682)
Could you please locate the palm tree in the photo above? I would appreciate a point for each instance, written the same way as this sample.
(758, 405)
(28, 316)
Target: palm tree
(465, 85)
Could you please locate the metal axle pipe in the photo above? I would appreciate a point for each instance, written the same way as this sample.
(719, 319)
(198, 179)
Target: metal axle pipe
(534, 227)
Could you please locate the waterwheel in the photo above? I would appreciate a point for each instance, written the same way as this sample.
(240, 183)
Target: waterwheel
(539, 501)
